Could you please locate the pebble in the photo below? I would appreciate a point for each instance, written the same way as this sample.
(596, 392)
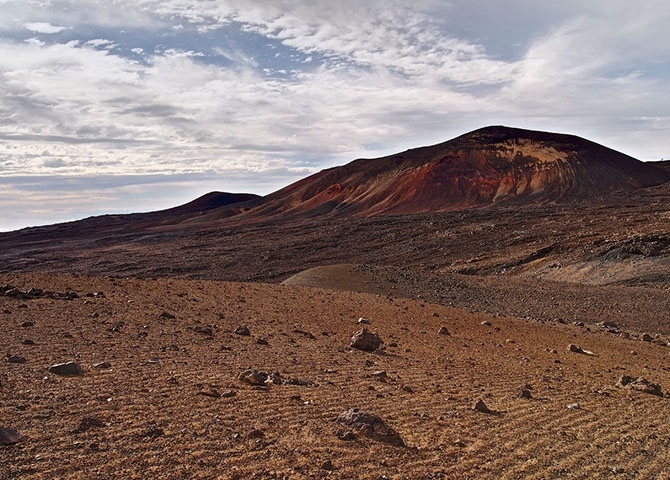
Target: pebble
(480, 406)
(67, 368)
(16, 359)
(9, 436)
(242, 330)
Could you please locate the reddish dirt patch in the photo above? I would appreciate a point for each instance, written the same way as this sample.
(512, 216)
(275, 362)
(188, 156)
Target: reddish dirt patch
(147, 415)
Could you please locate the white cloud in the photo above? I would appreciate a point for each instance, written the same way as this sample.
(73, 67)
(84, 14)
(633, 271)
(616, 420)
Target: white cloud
(43, 27)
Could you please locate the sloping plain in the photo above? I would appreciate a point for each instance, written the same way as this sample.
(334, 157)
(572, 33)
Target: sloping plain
(158, 411)
(530, 263)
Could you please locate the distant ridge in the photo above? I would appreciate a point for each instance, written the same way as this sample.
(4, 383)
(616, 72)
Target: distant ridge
(210, 201)
(492, 165)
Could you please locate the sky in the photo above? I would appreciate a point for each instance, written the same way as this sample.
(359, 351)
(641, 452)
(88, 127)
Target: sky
(118, 106)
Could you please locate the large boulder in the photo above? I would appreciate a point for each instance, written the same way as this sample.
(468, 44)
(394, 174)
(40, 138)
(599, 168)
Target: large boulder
(640, 384)
(364, 340)
(370, 425)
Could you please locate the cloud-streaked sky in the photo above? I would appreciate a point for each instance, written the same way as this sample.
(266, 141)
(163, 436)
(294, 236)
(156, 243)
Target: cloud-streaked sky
(117, 106)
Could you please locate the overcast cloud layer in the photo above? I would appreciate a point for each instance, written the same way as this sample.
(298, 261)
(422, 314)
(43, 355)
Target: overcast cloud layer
(137, 105)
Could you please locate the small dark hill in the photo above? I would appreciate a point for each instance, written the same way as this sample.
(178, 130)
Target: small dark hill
(210, 201)
(492, 165)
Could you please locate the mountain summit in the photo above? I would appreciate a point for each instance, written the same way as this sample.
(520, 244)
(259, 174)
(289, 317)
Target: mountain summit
(492, 165)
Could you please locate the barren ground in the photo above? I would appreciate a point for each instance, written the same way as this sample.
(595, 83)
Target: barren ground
(171, 404)
(161, 413)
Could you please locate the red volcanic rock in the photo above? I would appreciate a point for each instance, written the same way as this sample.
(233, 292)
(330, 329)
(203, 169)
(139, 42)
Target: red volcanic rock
(489, 166)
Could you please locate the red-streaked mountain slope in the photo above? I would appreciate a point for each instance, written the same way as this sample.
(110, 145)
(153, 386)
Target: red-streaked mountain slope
(492, 165)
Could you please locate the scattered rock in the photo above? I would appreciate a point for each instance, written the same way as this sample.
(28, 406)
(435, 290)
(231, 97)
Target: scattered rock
(574, 406)
(525, 393)
(253, 377)
(443, 331)
(379, 375)
(209, 392)
(640, 384)
(67, 368)
(327, 465)
(261, 341)
(299, 382)
(480, 406)
(88, 423)
(646, 337)
(242, 330)
(101, 365)
(486, 323)
(370, 425)
(228, 394)
(363, 321)
(304, 333)
(28, 324)
(364, 340)
(207, 331)
(152, 431)
(9, 436)
(346, 435)
(575, 348)
(274, 378)
(16, 359)
(28, 341)
(167, 315)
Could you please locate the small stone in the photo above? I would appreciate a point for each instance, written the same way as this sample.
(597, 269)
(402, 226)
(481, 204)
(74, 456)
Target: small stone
(228, 394)
(304, 333)
(363, 321)
(646, 337)
(167, 315)
(640, 384)
(16, 359)
(152, 431)
(28, 341)
(28, 324)
(575, 348)
(327, 465)
(274, 378)
(525, 393)
(443, 331)
(574, 406)
(364, 340)
(486, 323)
(253, 377)
(101, 365)
(370, 425)
(207, 331)
(88, 423)
(67, 368)
(242, 330)
(261, 341)
(209, 392)
(9, 436)
(380, 375)
(346, 436)
(480, 406)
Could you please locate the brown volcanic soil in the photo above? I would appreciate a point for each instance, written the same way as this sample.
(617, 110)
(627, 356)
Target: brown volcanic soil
(154, 421)
(584, 262)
